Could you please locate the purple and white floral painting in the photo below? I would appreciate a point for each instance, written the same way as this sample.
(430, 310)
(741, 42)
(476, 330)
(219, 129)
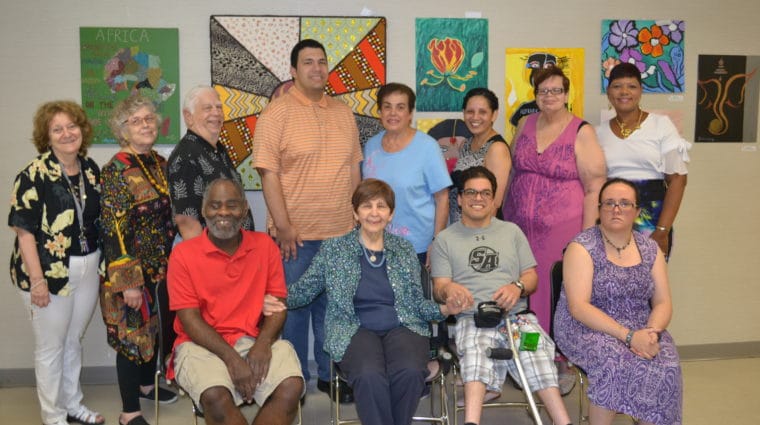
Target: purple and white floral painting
(654, 46)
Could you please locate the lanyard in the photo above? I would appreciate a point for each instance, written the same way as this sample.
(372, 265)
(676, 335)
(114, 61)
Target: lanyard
(79, 203)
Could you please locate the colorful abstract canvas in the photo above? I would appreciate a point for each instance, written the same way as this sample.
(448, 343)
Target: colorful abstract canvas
(654, 46)
(522, 64)
(727, 98)
(119, 62)
(250, 65)
(452, 57)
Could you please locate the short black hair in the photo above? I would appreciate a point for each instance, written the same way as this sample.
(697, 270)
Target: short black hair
(625, 70)
(303, 44)
(478, 172)
(490, 96)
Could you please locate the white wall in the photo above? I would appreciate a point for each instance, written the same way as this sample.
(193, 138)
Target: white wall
(715, 266)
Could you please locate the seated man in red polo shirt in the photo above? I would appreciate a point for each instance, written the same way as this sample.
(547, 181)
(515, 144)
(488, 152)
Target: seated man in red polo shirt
(226, 353)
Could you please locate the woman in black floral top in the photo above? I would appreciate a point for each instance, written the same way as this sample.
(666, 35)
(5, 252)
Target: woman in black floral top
(137, 233)
(54, 212)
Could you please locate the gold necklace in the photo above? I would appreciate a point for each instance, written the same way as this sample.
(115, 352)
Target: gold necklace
(625, 132)
(163, 186)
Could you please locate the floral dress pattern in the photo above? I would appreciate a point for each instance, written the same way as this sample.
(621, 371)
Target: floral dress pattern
(42, 204)
(137, 239)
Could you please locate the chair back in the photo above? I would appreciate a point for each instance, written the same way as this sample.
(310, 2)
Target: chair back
(556, 289)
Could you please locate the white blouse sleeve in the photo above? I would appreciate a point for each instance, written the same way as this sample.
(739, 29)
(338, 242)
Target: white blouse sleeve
(673, 148)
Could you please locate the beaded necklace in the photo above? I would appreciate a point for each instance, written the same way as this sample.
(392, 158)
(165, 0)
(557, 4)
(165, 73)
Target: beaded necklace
(162, 186)
(619, 249)
(625, 132)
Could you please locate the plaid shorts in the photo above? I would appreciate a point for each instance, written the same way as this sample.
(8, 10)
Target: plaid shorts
(472, 342)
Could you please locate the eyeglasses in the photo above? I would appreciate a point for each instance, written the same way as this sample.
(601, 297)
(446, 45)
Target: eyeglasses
(138, 121)
(556, 91)
(623, 204)
(472, 193)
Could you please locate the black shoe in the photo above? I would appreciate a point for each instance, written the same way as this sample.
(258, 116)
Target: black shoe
(346, 394)
(164, 396)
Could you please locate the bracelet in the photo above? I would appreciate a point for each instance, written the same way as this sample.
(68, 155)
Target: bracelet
(663, 228)
(37, 283)
(628, 338)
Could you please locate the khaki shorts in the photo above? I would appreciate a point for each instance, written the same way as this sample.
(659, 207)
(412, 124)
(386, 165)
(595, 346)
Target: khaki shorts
(198, 369)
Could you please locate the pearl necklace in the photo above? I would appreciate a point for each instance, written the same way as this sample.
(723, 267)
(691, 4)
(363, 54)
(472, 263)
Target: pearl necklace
(619, 249)
(163, 186)
(625, 132)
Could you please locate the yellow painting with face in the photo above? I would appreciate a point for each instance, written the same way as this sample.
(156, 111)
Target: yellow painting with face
(522, 64)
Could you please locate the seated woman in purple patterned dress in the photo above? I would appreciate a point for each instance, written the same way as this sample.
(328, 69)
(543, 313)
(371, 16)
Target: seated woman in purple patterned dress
(612, 314)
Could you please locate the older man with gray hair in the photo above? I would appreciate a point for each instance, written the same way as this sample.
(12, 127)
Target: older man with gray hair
(198, 159)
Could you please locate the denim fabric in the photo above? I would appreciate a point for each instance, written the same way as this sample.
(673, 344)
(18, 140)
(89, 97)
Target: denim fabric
(296, 329)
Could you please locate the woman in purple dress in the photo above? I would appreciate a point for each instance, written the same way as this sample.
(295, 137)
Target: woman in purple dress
(612, 314)
(558, 170)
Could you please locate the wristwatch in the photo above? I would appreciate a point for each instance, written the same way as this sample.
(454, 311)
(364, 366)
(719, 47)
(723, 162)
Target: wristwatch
(520, 285)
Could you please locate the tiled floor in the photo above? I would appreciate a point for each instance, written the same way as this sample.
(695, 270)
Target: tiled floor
(715, 392)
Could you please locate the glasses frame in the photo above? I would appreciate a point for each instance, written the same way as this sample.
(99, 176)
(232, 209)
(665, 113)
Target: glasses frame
(554, 91)
(486, 194)
(138, 121)
(610, 205)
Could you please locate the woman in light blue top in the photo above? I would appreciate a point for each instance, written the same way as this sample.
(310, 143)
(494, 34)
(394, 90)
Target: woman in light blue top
(411, 162)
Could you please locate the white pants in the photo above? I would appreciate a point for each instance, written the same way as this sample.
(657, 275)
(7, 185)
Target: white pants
(58, 331)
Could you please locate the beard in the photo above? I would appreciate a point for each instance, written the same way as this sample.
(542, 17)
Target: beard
(228, 231)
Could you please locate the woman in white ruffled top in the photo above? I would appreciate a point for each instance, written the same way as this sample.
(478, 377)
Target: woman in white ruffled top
(645, 148)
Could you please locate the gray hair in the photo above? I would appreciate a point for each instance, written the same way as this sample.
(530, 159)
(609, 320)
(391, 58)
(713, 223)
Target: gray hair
(191, 98)
(219, 180)
(125, 109)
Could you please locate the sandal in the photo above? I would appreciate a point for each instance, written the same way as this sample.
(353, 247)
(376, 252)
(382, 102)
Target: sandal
(85, 416)
(137, 420)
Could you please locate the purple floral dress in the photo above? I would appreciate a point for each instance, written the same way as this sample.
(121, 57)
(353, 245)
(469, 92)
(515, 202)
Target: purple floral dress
(649, 390)
(545, 200)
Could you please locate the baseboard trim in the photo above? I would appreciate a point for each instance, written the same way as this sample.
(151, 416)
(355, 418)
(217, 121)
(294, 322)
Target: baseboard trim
(95, 375)
(734, 350)
(106, 375)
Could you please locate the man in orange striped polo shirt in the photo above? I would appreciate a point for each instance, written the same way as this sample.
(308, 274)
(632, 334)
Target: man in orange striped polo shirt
(306, 149)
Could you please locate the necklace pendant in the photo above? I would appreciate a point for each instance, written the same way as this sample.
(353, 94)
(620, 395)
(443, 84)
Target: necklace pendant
(372, 258)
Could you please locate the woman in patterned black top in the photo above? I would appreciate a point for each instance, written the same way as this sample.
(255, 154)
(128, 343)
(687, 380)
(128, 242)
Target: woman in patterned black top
(137, 235)
(54, 212)
(486, 147)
